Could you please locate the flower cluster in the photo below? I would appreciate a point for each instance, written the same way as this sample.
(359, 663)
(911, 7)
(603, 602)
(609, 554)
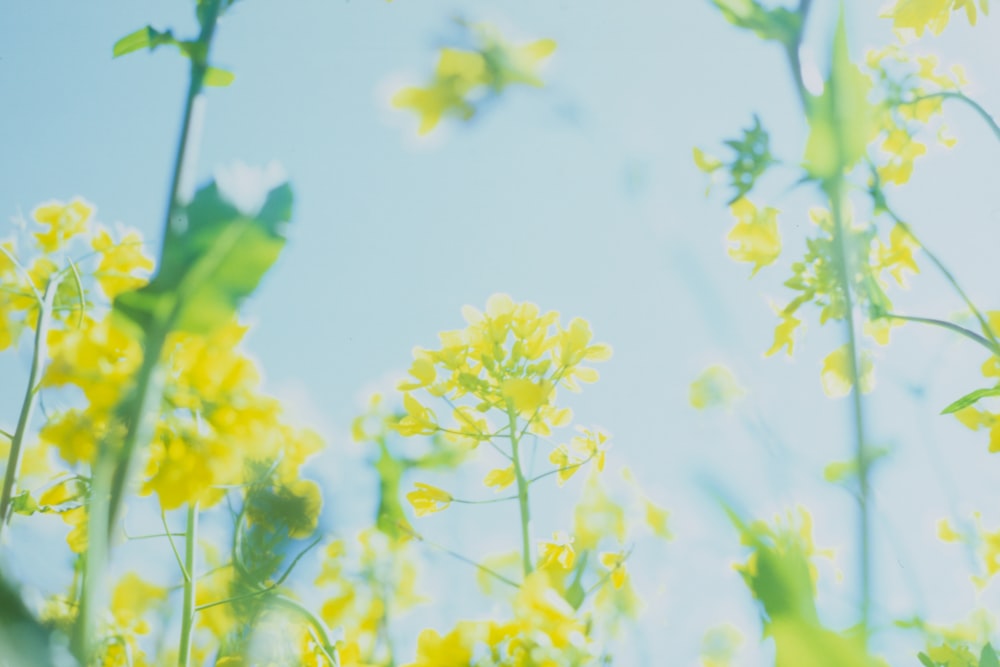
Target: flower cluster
(464, 77)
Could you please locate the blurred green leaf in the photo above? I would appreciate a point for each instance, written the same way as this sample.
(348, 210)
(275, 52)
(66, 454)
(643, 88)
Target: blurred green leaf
(925, 660)
(215, 76)
(841, 120)
(213, 257)
(24, 642)
(753, 157)
(23, 503)
(143, 38)
(779, 24)
(988, 658)
(970, 399)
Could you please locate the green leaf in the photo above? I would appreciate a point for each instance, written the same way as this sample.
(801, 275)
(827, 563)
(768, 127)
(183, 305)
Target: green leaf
(988, 658)
(23, 503)
(970, 399)
(753, 157)
(841, 121)
(213, 257)
(215, 76)
(779, 24)
(143, 38)
(925, 660)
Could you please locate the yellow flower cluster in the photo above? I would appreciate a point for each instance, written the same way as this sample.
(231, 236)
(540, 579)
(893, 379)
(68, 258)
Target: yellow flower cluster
(463, 77)
(544, 630)
(977, 418)
(918, 16)
(509, 359)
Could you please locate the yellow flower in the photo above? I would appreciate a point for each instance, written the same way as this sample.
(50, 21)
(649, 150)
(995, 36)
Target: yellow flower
(131, 599)
(946, 533)
(920, 15)
(539, 607)
(557, 551)
(836, 373)
(77, 538)
(452, 650)
(615, 561)
(119, 262)
(500, 478)
(903, 150)
(565, 463)
(755, 237)
(427, 499)
(597, 516)
(418, 420)
(715, 387)
(64, 220)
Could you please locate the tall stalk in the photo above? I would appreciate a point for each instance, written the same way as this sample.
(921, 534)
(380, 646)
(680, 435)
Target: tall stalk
(30, 399)
(115, 466)
(861, 458)
(522, 492)
(187, 612)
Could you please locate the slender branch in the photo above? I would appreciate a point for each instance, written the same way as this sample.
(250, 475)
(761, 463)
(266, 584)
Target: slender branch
(483, 502)
(28, 403)
(457, 556)
(862, 461)
(187, 610)
(266, 589)
(971, 335)
(173, 547)
(954, 95)
(114, 466)
(522, 492)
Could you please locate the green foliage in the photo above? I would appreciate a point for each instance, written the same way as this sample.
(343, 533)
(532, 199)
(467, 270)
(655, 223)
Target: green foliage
(213, 257)
(779, 24)
(753, 157)
(970, 399)
(841, 119)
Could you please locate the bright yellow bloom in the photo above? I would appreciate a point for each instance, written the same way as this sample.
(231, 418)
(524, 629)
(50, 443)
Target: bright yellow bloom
(715, 387)
(131, 599)
(596, 516)
(452, 650)
(615, 561)
(418, 420)
(903, 150)
(784, 334)
(64, 221)
(540, 607)
(120, 261)
(558, 551)
(565, 463)
(836, 373)
(946, 533)
(934, 15)
(755, 237)
(427, 499)
(500, 478)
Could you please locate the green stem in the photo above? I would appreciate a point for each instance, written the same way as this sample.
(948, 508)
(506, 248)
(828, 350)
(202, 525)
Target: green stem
(28, 404)
(522, 492)
(114, 466)
(954, 95)
(862, 461)
(983, 322)
(318, 626)
(187, 612)
(971, 335)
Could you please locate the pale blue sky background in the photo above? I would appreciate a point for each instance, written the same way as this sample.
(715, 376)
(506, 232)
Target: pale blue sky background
(581, 197)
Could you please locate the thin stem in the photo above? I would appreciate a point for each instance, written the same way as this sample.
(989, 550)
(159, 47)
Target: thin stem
(954, 95)
(862, 461)
(317, 625)
(173, 546)
(983, 322)
(114, 466)
(457, 556)
(187, 610)
(971, 335)
(483, 502)
(563, 469)
(522, 492)
(28, 403)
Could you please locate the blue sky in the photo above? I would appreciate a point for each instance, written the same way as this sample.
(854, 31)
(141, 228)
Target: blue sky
(581, 197)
